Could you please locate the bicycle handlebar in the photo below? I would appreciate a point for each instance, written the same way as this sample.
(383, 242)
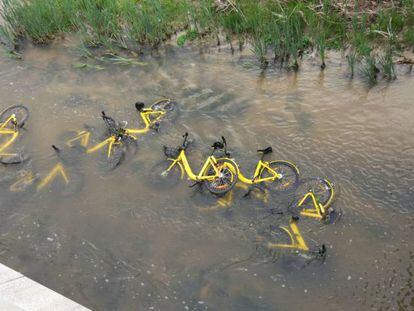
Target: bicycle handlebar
(184, 144)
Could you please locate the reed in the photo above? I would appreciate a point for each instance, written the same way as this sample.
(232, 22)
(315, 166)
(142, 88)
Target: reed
(351, 58)
(369, 69)
(286, 28)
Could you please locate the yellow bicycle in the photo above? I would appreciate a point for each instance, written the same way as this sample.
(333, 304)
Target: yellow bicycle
(119, 134)
(12, 119)
(118, 141)
(218, 175)
(280, 175)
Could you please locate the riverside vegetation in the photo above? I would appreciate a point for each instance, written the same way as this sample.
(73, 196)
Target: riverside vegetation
(370, 33)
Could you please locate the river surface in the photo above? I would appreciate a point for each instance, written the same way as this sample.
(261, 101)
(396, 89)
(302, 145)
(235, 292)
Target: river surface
(116, 241)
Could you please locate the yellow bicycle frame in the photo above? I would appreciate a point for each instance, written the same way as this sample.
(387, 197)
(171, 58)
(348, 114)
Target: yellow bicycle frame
(261, 165)
(182, 162)
(7, 143)
(83, 136)
(27, 179)
(110, 141)
(146, 117)
(319, 210)
(58, 169)
(12, 119)
(297, 241)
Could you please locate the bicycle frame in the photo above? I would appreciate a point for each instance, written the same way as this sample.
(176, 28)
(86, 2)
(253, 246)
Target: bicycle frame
(146, 117)
(28, 179)
(110, 141)
(260, 167)
(58, 169)
(182, 162)
(6, 131)
(83, 136)
(297, 241)
(12, 119)
(318, 211)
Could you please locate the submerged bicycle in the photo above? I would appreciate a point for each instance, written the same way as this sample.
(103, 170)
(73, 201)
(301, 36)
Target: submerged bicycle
(12, 119)
(218, 175)
(120, 137)
(279, 174)
(58, 175)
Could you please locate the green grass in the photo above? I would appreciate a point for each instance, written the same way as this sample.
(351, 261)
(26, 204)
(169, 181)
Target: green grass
(283, 28)
(369, 69)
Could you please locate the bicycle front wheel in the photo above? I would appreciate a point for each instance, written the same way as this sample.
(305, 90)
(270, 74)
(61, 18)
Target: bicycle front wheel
(226, 180)
(20, 112)
(289, 178)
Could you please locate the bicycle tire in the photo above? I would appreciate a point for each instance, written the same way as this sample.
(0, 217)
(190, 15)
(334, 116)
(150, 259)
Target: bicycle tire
(290, 176)
(164, 104)
(14, 159)
(116, 157)
(21, 112)
(168, 106)
(224, 184)
(321, 188)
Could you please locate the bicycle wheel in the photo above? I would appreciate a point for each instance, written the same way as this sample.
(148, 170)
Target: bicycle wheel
(227, 179)
(117, 156)
(168, 106)
(21, 113)
(164, 104)
(321, 188)
(161, 178)
(15, 158)
(289, 172)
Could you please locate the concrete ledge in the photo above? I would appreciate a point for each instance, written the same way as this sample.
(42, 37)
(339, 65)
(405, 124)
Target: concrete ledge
(19, 293)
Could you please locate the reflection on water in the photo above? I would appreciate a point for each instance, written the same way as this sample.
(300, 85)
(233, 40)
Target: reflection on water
(118, 243)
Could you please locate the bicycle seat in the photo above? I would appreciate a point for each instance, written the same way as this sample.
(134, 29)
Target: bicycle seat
(139, 106)
(266, 151)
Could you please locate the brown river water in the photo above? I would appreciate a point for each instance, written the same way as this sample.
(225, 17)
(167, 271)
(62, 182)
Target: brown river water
(116, 241)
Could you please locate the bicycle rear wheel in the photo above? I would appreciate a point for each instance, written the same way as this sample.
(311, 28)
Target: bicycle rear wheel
(21, 113)
(168, 106)
(164, 104)
(289, 179)
(15, 158)
(227, 179)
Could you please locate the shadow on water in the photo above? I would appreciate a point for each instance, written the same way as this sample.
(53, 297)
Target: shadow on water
(114, 241)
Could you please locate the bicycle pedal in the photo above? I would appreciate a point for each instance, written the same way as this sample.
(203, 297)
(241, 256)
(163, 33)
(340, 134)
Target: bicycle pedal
(155, 126)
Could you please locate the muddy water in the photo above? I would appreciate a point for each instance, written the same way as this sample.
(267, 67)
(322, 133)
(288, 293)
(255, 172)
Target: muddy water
(114, 241)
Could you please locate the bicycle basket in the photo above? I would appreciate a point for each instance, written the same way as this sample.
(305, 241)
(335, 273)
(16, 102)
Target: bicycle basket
(171, 152)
